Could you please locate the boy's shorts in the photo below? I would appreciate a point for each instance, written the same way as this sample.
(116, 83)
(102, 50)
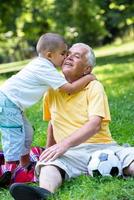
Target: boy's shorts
(75, 161)
(15, 129)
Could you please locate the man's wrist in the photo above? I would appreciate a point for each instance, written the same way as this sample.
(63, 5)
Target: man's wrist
(66, 144)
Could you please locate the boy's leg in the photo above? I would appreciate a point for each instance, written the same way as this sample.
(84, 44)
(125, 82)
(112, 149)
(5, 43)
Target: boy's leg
(25, 171)
(50, 178)
(25, 158)
(12, 137)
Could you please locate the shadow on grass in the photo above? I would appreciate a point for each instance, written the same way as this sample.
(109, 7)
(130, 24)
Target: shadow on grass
(115, 59)
(124, 78)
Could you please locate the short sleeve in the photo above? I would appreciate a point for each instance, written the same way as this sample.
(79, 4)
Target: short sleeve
(98, 102)
(50, 76)
(46, 111)
(55, 79)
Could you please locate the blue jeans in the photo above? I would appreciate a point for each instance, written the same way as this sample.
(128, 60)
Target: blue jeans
(16, 131)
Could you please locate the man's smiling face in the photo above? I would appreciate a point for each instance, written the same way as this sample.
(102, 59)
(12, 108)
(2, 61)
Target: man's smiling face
(75, 65)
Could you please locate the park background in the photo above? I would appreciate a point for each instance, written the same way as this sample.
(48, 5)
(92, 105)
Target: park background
(108, 26)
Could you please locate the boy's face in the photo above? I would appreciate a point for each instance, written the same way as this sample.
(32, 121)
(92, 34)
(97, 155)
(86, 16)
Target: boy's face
(58, 56)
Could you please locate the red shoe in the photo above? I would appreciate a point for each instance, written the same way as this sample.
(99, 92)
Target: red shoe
(6, 172)
(24, 174)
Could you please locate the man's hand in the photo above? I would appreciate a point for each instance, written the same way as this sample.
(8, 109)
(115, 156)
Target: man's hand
(77, 137)
(53, 152)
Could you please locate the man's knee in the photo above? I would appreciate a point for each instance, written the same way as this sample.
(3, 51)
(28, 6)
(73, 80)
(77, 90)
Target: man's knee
(50, 178)
(52, 170)
(129, 171)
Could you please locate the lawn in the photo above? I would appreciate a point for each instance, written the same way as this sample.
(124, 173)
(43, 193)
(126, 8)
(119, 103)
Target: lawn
(115, 69)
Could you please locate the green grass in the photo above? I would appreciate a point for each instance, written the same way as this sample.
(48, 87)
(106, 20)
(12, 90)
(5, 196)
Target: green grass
(116, 71)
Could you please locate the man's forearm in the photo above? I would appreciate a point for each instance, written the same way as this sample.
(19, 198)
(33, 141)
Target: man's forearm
(76, 138)
(84, 133)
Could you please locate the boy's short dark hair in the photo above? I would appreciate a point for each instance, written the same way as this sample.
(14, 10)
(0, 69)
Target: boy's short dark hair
(49, 42)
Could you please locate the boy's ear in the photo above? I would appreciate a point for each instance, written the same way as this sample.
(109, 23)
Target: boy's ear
(49, 54)
(87, 70)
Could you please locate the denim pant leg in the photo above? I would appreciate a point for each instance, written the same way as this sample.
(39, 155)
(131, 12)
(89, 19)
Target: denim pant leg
(12, 129)
(28, 135)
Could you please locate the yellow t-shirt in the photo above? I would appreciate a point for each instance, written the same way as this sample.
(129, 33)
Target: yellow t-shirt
(70, 112)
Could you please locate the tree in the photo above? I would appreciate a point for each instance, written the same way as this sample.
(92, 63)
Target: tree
(118, 17)
(81, 19)
(94, 22)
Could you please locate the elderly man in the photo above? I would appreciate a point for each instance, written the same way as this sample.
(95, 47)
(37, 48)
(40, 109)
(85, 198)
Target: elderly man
(79, 125)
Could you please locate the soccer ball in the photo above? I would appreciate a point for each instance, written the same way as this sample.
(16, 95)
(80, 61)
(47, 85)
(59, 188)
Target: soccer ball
(104, 163)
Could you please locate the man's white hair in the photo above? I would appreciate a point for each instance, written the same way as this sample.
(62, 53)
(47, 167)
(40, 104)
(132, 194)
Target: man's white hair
(91, 60)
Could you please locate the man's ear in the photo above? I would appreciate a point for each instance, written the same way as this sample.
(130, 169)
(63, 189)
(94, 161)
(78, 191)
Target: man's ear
(87, 70)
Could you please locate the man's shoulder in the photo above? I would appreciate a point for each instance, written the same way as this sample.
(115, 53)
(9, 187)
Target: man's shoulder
(96, 85)
(51, 92)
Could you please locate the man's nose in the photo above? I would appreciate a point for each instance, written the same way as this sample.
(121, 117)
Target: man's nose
(70, 56)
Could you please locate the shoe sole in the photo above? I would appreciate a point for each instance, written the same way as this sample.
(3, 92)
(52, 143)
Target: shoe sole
(5, 179)
(24, 192)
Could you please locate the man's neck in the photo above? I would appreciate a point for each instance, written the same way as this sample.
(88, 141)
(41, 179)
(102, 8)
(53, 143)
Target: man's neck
(71, 79)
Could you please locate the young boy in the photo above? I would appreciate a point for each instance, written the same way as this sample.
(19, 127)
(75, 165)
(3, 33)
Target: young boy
(25, 89)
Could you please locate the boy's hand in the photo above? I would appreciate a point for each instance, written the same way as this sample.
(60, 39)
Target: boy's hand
(91, 77)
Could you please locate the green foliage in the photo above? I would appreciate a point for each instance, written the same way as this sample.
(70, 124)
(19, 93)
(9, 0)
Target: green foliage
(8, 14)
(118, 17)
(115, 70)
(28, 21)
(82, 21)
(93, 22)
